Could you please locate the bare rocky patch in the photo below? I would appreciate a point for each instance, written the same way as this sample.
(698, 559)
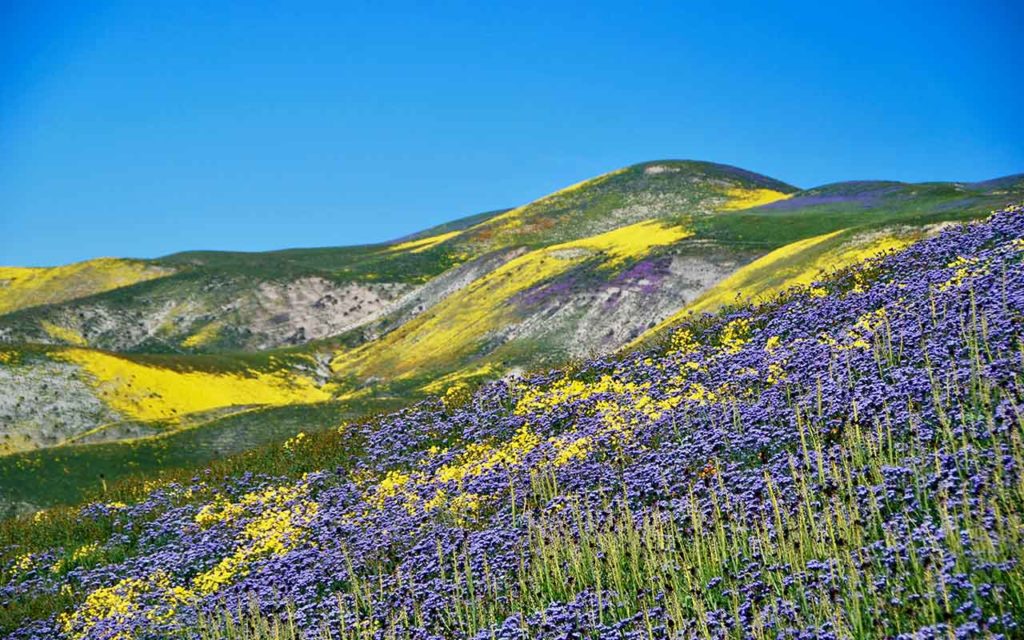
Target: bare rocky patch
(263, 316)
(46, 403)
(588, 319)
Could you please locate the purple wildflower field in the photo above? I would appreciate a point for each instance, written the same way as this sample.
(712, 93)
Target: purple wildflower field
(842, 462)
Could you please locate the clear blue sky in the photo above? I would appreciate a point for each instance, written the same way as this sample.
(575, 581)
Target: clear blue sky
(144, 128)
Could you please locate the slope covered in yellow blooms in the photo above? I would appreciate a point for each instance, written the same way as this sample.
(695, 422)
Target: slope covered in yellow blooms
(422, 244)
(453, 328)
(22, 287)
(794, 265)
(746, 198)
(143, 391)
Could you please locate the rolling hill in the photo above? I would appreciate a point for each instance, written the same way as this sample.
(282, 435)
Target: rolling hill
(113, 368)
(845, 460)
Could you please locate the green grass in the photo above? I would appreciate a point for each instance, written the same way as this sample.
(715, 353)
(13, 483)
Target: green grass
(767, 228)
(114, 471)
(326, 447)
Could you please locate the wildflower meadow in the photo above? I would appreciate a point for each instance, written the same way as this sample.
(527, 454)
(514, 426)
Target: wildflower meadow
(845, 460)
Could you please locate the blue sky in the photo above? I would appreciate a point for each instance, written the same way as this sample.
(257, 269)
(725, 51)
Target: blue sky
(144, 128)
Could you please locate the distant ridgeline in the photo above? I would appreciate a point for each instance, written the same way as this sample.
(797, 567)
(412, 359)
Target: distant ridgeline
(113, 368)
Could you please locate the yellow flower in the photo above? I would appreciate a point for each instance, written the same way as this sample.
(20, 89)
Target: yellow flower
(963, 269)
(293, 442)
(117, 602)
(456, 395)
(700, 393)
(219, 511)
(574, 450)
(735, 335)
(776, 373)
(23, 563)
(683, 343)
(275, 531)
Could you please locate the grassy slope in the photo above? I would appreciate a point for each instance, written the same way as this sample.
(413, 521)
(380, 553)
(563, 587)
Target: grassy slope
(804, 235)
(797, 264)
(40, 297)
(373, 263)
(70, 474)
(830, 227)
(630, 195)
(148, 394)
(22, 287)
(660, 189)
(858, 204)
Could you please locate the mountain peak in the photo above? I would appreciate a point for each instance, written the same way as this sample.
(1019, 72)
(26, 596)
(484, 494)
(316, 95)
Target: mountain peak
(665, 189)
(711, 170)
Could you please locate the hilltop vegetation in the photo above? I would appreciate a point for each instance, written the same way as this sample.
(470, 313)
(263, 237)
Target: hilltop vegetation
(24, 287)
(109, 367)
(841, 461)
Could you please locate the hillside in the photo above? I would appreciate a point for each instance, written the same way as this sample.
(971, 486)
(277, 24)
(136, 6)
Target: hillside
(213, 301)
(23, 287)
(841, 461)
(102, 373)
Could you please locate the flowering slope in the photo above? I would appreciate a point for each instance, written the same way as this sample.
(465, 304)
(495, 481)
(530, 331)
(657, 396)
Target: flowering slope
(844, 461)
(22, 287)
